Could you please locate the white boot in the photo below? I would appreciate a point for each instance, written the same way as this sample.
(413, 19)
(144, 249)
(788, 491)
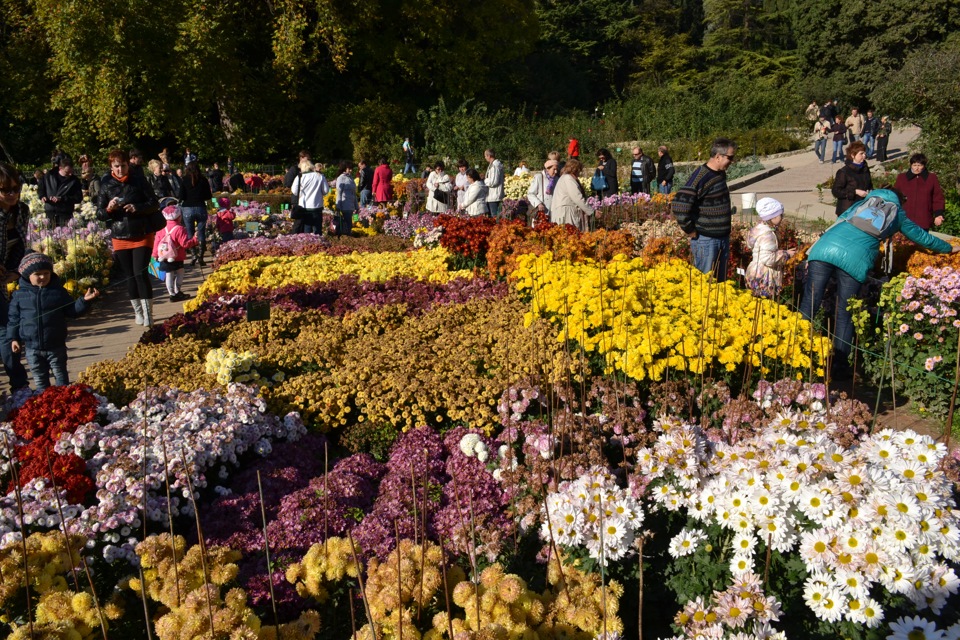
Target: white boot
(147, 306)
(138, 310)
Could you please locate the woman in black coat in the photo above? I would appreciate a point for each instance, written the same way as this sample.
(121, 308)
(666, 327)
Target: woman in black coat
(607, 165)
(14, 218)
(128, 204)
(194, 195)
(853, 180)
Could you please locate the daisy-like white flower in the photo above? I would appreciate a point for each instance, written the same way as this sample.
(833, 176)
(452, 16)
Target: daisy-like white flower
(832, 606)
(816, 548)
(853, 583)
(741, 564)
(744, 544)
(686, 542)
(872, 613)
(852, 479)
(915, 628)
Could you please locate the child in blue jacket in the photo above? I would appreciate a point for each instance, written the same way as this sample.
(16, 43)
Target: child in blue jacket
(38, 319)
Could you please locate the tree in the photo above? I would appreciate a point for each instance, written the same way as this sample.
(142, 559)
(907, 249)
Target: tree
(926, 92)
(864, 43)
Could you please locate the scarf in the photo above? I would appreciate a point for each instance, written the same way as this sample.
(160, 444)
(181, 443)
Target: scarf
(120, 179)
(551, 183)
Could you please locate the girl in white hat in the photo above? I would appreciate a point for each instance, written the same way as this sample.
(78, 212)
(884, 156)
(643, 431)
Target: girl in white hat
(764, 273)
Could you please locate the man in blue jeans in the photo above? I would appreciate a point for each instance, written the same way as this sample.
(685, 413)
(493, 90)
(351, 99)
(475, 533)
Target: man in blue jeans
(702, 209)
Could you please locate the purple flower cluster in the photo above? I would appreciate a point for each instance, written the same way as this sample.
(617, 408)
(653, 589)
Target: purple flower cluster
(235, 520)
(417, 462)
(407, 227)
(618, 199)
(304, 516)
(473, 517)
(338, 297)
(300, 244)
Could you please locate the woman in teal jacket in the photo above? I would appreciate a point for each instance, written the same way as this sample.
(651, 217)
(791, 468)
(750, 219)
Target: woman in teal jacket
(848, 253)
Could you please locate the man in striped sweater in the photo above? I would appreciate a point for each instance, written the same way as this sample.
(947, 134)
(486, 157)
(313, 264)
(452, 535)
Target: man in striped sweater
(702, 209)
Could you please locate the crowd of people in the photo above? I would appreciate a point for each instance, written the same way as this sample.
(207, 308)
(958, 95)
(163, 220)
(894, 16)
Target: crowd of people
(844, 254)
(163, 214)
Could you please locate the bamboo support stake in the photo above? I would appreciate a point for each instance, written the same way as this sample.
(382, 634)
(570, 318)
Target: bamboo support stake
(363, 589)
(202, 542)
(266, 550)
(23, 538)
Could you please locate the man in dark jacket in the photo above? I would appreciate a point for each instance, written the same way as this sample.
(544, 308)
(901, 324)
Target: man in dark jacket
(642, 172)
(702, 209)
(215, 176)
(665, 169)
(136, 164)
(365, 186)
(870, 127)
(60, 191)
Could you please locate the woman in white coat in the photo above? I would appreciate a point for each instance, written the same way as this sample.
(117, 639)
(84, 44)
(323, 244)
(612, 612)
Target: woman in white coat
(475, 199)
(438, 180)
(540, 193)
(569, 204)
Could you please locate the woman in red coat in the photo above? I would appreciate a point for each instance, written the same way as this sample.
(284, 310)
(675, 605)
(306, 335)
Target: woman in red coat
(924, 197)
(383, 182)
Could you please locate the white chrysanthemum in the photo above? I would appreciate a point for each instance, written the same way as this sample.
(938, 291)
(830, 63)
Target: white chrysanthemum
(853, 583)
(744, 544)
(915, 628)
(468, 444)
(686, 542)
(741, 564)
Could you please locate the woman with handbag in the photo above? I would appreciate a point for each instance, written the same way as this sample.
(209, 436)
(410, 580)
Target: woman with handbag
(346, 200)
(605, 175)
(569, 199)
(129, 207)
(309, 187)
(439, 189)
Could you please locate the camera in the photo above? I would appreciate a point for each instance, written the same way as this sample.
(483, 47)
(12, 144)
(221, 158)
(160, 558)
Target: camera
(120, 201)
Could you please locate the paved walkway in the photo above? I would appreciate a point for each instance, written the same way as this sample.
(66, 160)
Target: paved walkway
(108, 330)
(796, 185)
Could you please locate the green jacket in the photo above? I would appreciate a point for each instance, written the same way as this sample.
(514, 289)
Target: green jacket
(855, 251)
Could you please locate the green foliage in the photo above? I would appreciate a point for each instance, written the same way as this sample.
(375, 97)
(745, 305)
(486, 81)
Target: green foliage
(951, 218)
(926, 92)
(856, 46)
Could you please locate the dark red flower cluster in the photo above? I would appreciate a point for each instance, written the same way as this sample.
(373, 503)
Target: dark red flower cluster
(40, 422)
(467, 238)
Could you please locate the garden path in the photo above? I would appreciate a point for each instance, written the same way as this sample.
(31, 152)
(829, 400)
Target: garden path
(108, 330)
(796, 185)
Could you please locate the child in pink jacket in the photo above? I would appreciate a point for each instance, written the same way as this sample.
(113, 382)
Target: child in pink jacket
(170, 249)
(225, 218)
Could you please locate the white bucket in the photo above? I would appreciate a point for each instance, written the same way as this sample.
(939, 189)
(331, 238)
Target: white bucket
(749, 200)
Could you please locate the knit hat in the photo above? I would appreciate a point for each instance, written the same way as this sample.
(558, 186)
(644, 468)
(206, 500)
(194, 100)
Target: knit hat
(172, 212)
(33, 262)
(224, 202)
(550, 163)
(768, 208)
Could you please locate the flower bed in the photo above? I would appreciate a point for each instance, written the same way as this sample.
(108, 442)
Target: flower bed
(678, 320)
(270, 272)
(523, 457)
(918, 333)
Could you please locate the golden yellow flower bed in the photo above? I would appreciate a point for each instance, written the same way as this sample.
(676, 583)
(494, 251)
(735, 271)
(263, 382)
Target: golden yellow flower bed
(378, 365)
(274, 272)
(643, 321)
